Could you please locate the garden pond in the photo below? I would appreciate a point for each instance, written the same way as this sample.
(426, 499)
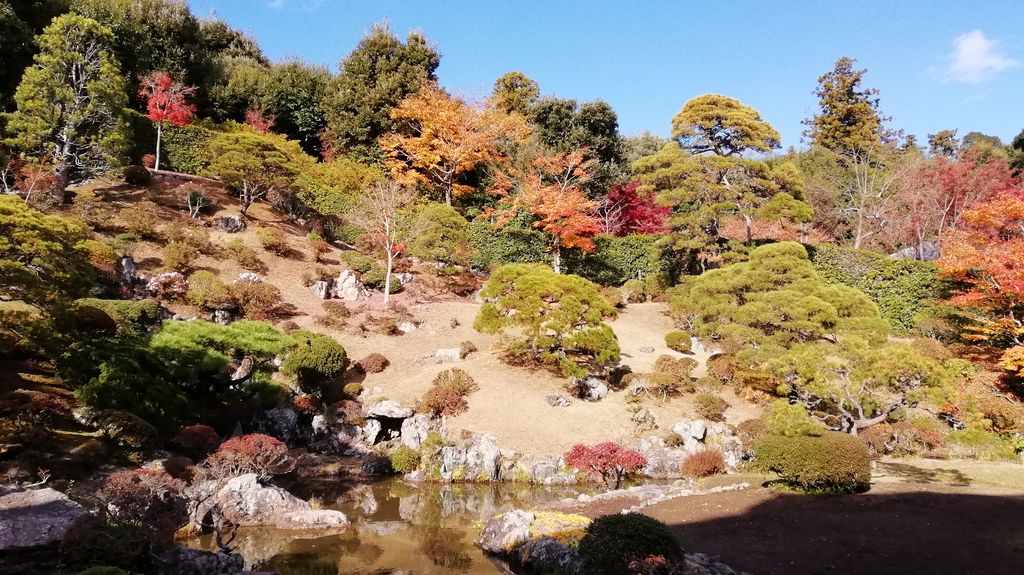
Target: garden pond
(397, 528)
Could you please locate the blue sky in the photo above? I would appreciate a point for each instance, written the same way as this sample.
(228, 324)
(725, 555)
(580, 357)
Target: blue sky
(950, 64)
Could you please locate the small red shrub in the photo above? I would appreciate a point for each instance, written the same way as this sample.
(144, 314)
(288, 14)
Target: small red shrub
(254, 453)
(147, 499)
(374, 363)
(444, 401)
(704, 464)
(306, 404)
(197, 440)
(608, 461)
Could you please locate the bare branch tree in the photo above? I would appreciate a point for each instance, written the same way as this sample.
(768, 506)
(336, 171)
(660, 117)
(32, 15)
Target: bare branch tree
(382, 211)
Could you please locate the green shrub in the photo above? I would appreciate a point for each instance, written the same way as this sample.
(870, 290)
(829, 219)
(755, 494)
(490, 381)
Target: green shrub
(141, 219)
(903, 289)
(244, 256)
(678, 368)
(179, 257)
(374, 278)
(128, 431)
(315, 360)
(516, 242)
(184, 148)
(634, 291)
(352, 390)
(137, 176)
(405, 459)
(612, 542)
(357, 262)
(679, 341)
(133, 318)
(664, 384)
(618, 259)
(710, 407)
(830, 463)
(457, 380)
(194, 236)
(272, 240)
(207, 291)
(443, 238)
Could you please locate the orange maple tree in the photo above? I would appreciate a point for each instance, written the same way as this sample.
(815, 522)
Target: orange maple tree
(985, 255)
(440, 138)
(549, 187)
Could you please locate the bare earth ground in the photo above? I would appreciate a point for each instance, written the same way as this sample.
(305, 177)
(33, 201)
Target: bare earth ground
(920, 517)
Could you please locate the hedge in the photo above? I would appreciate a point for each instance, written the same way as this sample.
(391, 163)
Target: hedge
(618, 259)
(903, 289)
(514, 243)
(183, 148)
(830, 463)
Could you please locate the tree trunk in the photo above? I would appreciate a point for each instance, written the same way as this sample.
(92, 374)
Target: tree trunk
(159, 133)
(556, 260)
(749, 221)
(387, 276)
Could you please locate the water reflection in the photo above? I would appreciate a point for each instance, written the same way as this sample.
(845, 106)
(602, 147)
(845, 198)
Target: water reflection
(397, 528)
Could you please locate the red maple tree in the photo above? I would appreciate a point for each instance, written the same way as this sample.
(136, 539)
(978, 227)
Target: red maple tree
(625, 210)
(166, 101)
(608, 461)
(259, 120)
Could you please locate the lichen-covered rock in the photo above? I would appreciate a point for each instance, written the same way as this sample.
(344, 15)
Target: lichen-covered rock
(415, 430)
(36, 518)
(507, 533)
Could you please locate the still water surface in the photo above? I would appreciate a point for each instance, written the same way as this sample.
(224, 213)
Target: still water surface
(397, 528)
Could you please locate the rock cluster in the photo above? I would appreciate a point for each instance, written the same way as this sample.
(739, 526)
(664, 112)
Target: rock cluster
(244, 501)
(36, 518)
(348, 287)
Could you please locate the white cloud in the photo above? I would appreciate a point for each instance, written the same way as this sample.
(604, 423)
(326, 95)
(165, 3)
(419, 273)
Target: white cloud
(976, 59)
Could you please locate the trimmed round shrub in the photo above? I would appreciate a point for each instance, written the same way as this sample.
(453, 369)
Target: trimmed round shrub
(444, 401)
(258, 300)
(457, 380)
(679, 341)
(405, 459)
(704, 464)
(244, 256)
(197, 441)
(374, 363)
(272, 240)
(353, 390)
(207, 291)
(710, 407)
(750, 430)
(830, 463)
(137, 176)
(612, 542)
(316, 360)
(678, 368)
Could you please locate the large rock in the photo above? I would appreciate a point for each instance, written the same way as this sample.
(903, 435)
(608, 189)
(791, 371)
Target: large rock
(372, 430)
(448, 355)
(280, 422)
(230, 224)
(594, 389)
(244, 501)
(195, 562)
(415, 430)
(545, 555)
(36, 518)
(321, 289)
(388, 408)
(508, 532)
(128, 270)
(347, 287)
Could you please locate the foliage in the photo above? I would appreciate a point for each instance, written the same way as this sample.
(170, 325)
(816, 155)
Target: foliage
(166, 101)
(679, 341)
(723, 126)
(42, 259)
(549, 187)
(710, 407)
(186, 148)
(848, 117)
(70, 100)
(244, 255)
(254, 453)
(439, 139)
(272, 240)
(258, 300)
(132, 318)
(255, 166)
(616, 260)
(613, 542)
(903, 289)
(179, 257)
(609, 462)
(315, 360)
(197, 441)
(626, 210)
(332, 187)
(207, 291)
(137, 176)
(441, 400)
(829, 463)
(382, 213)
(128, 431)
(557, 318)
(405, 459)
(515, 92)
(790, 420)
(457, 380)
(513, 243)
(292, 93)
(374, 363)
(443, 237)
(704, 464)
(375, 77)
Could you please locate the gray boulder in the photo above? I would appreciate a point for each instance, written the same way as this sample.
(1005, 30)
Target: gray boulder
(558, 401)
(196, 562)
(506, 532)
(372, 431)
(230, 224)
(321, 289)
(388, 408)
(448, 355)
(545, 555)
(348, 287)
(415, 430)
(244, 501)
(36, 518)
(593, 389)
(280, 422)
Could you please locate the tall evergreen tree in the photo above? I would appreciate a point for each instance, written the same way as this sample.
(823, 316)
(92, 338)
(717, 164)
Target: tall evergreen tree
(848, 120)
